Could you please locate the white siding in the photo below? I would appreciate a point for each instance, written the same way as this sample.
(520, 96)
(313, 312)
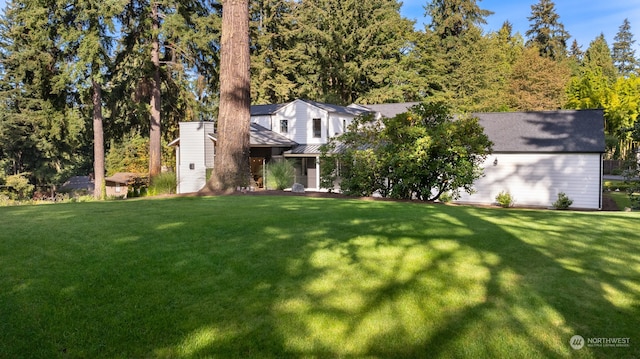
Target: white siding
(337, 124)
(536, 179)
(195, 155)
(264, 121)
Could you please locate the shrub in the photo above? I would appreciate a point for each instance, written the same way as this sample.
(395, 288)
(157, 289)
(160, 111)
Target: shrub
(505, 199)
(280, 174)
(563, 201)
(19, 187)
(164, 183)
(445, 197)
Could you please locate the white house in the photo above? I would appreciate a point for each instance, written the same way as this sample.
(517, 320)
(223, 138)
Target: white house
(536, 155)
(294, 130)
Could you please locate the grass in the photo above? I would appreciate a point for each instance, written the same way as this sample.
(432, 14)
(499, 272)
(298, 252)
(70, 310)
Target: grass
(278, 277)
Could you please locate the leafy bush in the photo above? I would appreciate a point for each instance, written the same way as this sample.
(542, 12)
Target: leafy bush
(563, 201)
(18, 187)
(280, 174)
(420, 154)
(505, 199)
(164, 183)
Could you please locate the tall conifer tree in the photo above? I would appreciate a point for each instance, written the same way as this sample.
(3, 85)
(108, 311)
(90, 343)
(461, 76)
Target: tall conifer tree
(546, 32)
(623, 54)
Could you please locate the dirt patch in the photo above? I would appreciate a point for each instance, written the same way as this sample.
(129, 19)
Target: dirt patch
(608, 204)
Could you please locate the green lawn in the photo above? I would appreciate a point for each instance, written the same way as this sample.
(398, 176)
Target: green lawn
(277, 277)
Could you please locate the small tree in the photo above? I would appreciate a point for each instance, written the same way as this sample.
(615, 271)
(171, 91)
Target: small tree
(419, 154)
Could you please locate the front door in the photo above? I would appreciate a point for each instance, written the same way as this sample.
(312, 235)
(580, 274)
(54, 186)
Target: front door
(257, 170)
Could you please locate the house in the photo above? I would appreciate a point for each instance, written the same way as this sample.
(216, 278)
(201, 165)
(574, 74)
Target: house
(118, 184)
(537, 155)
(293, 130)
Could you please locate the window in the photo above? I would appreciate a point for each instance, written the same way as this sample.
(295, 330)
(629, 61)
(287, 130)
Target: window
(317, 128)
(284, 126)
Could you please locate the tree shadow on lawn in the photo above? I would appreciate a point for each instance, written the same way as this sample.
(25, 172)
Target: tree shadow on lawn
(342, 278)
(389, 286)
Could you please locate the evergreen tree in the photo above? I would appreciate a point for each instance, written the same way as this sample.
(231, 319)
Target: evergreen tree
(41, 126)
(181, 65)
(87, 28)
(598, 57)
(450, 19)
(467, 64)
(350, 49)
(623, 54)
(232, 156)
(546, 32)
(273, 66)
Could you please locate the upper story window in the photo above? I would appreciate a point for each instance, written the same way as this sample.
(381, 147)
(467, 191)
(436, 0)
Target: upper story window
(317, 128)
(284, 126)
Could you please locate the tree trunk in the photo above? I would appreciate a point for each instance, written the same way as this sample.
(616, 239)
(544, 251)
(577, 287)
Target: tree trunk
(231, 165)
(98, 142)
(154, 128)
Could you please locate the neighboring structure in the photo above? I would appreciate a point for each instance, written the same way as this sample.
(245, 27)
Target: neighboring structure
(118, 184)
(536, 155)
(81, 185)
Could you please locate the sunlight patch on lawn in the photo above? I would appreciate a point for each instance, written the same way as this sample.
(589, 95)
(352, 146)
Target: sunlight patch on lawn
(127, 239)
(369, 289)
(173, 225)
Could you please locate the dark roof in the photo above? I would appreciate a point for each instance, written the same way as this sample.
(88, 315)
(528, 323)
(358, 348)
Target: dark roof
(337, 109)
(261, 136)
(390, 110)
(577, 131)
(259, 110)
(78, 182)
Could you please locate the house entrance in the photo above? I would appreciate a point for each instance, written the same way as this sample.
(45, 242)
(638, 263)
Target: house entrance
(257, 170)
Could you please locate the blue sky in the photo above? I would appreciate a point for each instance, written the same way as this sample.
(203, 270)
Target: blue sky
(583, 19)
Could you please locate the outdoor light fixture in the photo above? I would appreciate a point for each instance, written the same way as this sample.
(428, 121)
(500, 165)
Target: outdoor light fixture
(495, 161)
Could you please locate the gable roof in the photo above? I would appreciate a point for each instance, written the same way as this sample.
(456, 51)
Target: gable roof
(390, 110)
(576, 131)
(270, 109)
(262, 110)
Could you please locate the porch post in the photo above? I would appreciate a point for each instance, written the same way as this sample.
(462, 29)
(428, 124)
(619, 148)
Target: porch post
(318, 172)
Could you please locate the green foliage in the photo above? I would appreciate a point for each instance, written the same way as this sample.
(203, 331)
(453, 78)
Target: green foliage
(357, 160)
(622, 53)
(164, 183)
(598, 57)
(505, 199)
(563, 201)
(631, 176)
(546, 33)
(420, 154)
(537, 83)
(17, 187)
(280, 174)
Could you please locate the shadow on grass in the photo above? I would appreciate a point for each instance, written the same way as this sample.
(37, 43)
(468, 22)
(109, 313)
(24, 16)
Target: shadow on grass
(224, 277)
